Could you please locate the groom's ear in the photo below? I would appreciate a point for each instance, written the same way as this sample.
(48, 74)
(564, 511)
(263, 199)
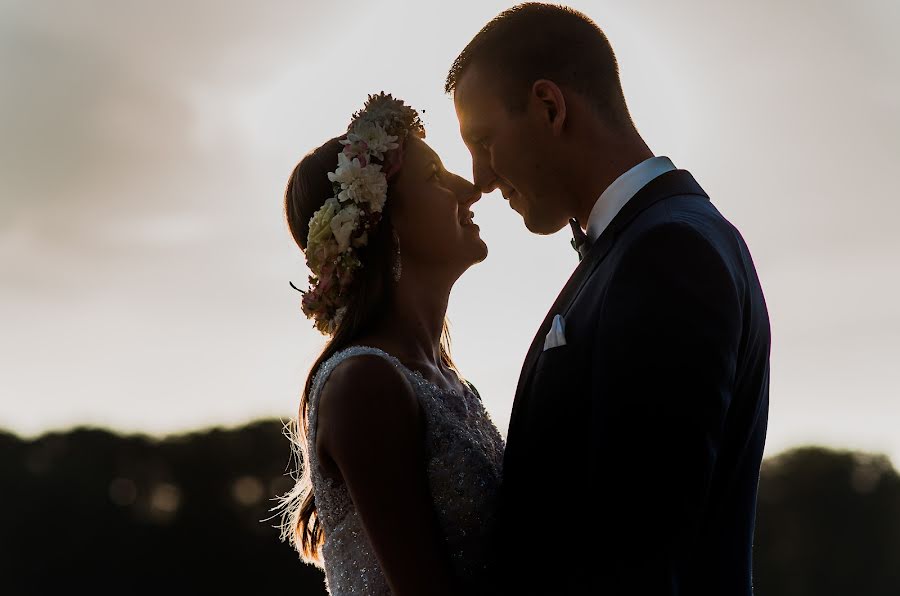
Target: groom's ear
(551, 102)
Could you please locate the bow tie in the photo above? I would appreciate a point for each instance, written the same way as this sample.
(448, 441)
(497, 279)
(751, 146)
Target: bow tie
(580, 241)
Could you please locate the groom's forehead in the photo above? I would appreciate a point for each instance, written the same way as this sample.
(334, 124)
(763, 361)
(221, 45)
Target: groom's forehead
(476, 96)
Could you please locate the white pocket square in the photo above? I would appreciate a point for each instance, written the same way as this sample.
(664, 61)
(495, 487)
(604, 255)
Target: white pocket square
(557, 335)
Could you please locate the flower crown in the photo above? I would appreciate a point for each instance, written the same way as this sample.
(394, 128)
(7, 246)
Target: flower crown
(372, 154)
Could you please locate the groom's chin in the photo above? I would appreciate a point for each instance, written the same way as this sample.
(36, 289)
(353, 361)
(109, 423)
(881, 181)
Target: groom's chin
(540, 226)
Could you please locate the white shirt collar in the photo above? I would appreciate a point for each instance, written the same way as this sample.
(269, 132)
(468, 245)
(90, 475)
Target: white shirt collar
(620, 192)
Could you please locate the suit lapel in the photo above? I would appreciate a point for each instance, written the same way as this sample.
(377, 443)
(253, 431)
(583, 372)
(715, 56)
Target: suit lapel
(672, 183)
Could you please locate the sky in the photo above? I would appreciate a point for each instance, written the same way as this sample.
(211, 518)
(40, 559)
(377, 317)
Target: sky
(144, 150)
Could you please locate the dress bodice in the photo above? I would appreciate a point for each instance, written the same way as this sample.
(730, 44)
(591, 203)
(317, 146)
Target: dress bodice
(464, 456)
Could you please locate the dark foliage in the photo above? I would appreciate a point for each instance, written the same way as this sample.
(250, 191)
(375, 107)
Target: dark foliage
(89, 510)
(828, 524)
(109, 514)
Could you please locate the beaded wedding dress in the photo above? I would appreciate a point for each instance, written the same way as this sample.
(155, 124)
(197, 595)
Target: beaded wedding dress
(464, 455)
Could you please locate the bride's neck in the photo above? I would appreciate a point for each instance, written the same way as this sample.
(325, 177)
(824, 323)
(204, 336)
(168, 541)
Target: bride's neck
(414, 320)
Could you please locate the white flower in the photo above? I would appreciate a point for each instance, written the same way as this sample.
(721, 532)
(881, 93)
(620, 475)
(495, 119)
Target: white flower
(343, 224)
(370, 187)
(378, 141)
(360, 184)
(347, 170)
(377, 196)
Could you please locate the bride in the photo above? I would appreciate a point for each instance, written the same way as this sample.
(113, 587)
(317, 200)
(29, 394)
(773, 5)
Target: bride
(400, 462)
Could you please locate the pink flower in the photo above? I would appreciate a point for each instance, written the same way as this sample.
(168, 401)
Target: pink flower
(392, 162)
(359, 150)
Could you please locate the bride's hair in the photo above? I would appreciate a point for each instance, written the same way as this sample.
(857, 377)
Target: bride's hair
(307, 190)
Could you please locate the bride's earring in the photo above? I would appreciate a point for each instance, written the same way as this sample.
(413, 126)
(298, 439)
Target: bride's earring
(398, 265)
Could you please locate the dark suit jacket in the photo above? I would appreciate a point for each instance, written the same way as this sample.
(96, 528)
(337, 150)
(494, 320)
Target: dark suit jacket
(633, 452)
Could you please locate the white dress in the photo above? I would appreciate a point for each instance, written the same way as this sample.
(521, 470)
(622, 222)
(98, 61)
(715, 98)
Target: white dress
(464, 455)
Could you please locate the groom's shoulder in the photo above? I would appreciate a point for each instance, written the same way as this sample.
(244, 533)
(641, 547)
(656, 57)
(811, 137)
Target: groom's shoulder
(679, 229)
(687, 215)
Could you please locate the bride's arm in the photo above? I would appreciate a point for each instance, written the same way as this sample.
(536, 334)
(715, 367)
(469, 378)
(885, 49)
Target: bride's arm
(370, 429)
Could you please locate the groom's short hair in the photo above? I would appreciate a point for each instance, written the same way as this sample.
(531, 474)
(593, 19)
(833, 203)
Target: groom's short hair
(534, 41)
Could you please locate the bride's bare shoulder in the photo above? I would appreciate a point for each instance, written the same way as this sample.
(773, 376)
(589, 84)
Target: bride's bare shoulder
(364, 373)
(365, 393)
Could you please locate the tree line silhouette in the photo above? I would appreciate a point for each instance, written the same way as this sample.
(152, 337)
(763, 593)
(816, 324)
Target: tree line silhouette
(88, 509)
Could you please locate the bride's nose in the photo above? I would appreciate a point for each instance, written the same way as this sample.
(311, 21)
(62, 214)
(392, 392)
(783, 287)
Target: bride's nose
(471, 195)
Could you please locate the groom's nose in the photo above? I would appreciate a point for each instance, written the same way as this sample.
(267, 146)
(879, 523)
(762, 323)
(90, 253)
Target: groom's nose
(467, 192)
(483, 175)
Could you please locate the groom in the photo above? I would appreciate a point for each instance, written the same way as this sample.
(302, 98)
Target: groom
(638, 426)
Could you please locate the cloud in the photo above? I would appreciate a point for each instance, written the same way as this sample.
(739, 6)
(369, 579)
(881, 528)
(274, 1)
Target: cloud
(102, 95)
(144, 147)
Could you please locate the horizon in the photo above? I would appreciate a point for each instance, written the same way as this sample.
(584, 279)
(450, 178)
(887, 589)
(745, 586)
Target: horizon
(183, 434)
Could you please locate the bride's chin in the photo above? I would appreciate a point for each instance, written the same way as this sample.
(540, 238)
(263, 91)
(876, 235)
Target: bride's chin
(473, 253)
(481, 251)
(469, 247)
